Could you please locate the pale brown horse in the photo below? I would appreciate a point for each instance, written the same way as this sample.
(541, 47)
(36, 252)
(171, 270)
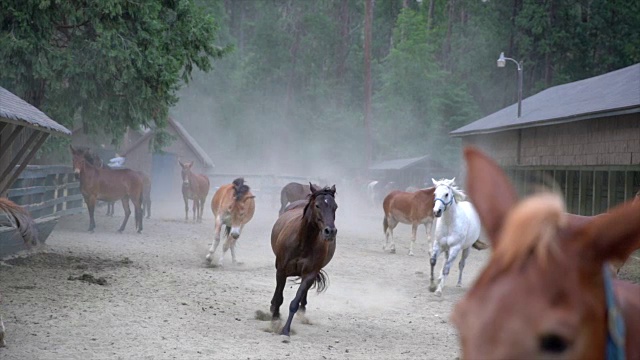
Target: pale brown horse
(291, 192)
(547, 292)
(97, 183)
(194, 187)
(18, 218)
(303, 240)
(233, 206)
(413, 208)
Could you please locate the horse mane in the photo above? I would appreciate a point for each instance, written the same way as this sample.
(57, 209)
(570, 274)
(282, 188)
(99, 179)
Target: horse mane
(240, 188)
(458, 194)
(531, 229)
(20, 219)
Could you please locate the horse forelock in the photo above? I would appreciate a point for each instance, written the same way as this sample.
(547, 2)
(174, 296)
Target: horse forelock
(531, 228)
(240, 188)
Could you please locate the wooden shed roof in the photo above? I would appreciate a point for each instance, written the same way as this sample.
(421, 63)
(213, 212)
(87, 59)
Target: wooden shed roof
(20, 112)
(182, 135)
(401, 164)
(613, 93)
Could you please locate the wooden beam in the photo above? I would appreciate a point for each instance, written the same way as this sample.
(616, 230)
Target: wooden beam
(570, 186)
(596, 205)
(5, 146)
(628, 185)
(43, 136)
(2, 126)
(611, 189)
(582, 193)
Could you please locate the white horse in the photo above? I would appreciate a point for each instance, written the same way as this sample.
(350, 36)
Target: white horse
(457, 229)
(371, 193)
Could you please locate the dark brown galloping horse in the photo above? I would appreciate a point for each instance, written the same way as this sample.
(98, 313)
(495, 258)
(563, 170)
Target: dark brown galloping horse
(106, 184)
(20, 219)
(291, 192)
(547, 291)
(413, 208)
(303, 240)
(194, 187)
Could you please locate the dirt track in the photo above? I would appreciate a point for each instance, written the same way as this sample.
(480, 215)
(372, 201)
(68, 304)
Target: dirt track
(162, 301)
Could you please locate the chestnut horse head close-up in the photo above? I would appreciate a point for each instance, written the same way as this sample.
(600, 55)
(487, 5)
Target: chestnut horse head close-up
(547, 291)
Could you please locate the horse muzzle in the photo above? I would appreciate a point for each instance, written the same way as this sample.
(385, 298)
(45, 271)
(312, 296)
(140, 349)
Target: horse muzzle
(437, 213)
(329, 233)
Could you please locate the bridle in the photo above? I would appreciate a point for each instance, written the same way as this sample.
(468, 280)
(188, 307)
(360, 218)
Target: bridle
(615, 322)
(446, 204)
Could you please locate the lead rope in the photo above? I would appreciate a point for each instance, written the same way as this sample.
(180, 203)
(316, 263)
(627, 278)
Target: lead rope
(616, 334)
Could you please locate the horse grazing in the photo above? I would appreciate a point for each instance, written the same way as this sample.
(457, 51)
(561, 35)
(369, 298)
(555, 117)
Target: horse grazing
(303, 240)
(18, 218)
(457, 229)
(97, 183)
(291, 192)
(547, 291)
(413, 208)
(233, 206)
(194, 187)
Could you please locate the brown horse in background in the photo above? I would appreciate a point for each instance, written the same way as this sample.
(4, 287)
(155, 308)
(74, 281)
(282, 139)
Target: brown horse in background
(291, 192)
(413, 208)
(303, 240)
(233, 206)
(18, 218)
(106, 184)
(194, 187)
(95, 160)
(547, 291)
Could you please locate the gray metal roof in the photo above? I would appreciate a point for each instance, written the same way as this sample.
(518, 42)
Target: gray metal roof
(398, 164)
(617, 92)
(20, 112)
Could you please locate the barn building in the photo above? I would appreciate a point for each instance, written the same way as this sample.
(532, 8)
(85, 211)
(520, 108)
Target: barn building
(416, 172)
(164, 167)
(584, 135)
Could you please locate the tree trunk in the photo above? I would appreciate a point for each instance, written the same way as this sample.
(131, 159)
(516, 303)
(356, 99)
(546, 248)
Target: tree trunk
(368, 19)
(432, 7)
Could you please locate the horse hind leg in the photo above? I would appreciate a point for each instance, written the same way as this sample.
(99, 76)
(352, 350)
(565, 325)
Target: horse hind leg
(2, 330)
(216, 240)
(295, 303)
(388, 225)
(414, 230)
(463, 259)
(127, 213)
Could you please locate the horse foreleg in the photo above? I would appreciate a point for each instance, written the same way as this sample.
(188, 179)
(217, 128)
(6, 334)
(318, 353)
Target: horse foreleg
(216, 239)
(2, 342)
(295, 303)
(127, 213)
(428, 226)
(186, 207)
(195, 209)
(139, 213)
(434, 257)
(303, 309)
(91, 206)
(225, 247)
(276, 301)
(451, 256)
(463, 258)
(414, 229)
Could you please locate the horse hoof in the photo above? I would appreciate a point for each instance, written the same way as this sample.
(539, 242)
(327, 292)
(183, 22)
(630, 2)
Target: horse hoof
(432, 287)
(120, 231)
(458, 285)
(285, 339)
(438, 293)
(393, 251)
(410, 253)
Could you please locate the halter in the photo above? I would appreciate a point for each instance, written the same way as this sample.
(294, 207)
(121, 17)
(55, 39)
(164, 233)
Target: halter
(446, 204)
(616, 334)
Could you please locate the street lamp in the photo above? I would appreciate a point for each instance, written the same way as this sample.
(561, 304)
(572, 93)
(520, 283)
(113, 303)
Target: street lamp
(502, 61)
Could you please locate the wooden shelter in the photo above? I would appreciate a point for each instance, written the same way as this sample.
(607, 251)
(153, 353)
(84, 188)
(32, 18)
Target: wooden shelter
(584, 135)
(163, 167)
(416, 171)
(23, 130)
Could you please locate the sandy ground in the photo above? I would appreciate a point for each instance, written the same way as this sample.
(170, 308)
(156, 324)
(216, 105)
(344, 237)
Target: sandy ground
(162, 301)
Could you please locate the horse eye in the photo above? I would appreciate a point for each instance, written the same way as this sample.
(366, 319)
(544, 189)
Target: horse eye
(553, 343)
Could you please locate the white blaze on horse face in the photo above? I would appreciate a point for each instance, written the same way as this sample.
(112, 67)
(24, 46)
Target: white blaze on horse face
(443, 196)
(235, 232)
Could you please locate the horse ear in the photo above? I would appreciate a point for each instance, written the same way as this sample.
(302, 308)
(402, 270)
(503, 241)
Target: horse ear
(181, 164)
(490, 191)
(612, 236)
(333, 189)
(73, 150)
(313, 188)
(452, 181)
(189, 164)
(435, 183)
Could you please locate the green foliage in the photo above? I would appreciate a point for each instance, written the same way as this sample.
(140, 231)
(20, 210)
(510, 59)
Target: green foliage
(112, 64)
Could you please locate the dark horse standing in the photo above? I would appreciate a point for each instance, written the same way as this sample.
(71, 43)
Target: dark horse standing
(106, 184)
(293, 192)
(303, 240)
(195, 187)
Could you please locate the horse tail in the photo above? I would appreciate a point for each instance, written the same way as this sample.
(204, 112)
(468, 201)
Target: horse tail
(385, 224)
(321, 282)
(480, 245)
(20, 219)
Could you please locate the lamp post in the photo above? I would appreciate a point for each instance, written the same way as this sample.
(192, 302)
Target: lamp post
(502, 61)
